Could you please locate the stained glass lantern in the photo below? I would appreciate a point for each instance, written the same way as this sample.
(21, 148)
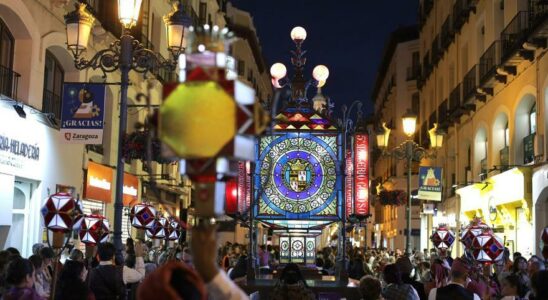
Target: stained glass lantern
(158, 230)
(475, 228)
(61, 213)
(173, 230)
(442, 238)
(142, 216)
(487, 248)
(94, 230)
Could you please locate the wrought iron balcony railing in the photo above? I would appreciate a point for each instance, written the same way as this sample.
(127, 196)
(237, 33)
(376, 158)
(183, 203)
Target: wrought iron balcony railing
(469, 84)
(9, 81)
(489, 62)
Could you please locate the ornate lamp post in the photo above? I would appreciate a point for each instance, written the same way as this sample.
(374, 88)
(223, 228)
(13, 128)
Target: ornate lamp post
(409, 151)
(125, 54)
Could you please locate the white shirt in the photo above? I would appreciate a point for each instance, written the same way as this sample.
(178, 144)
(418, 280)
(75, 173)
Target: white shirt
(221, 287)
(131, 275)
(434, 293)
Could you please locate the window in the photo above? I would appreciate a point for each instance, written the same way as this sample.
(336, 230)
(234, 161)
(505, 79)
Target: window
(506, 136)
(6, 60)
(53, 85)
(533, 119)
(241, 68)
(415, 103)
(203, 13)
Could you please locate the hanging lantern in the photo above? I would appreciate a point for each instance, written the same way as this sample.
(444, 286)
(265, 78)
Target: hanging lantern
(173, 230)
(142, 216)
(442, 238)
(94, 230)
(487, 248)
(61, 213)
(158, 230)
(475, 228)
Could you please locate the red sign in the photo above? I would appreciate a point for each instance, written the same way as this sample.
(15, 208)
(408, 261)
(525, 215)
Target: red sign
(361, 168)
(231, 197)
(348, 182)
(244, 186)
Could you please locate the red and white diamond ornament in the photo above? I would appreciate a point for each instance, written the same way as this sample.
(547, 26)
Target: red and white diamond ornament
(94, 230)
(487, 248)
(158, 230)
(173, 230)
(61, 213)
(442, 238)
(475, 228)
(142, 216)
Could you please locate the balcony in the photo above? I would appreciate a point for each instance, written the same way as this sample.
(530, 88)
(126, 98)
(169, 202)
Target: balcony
(436, 50)
(425, 139)
(469, 85)
(427, 66)
(52, 104)
(512, 38)
(424, 10)
(9, 81)
(538, 17)
(447, 34)
(443, 114)
(432, 119)
(461, 12)
(488, 64)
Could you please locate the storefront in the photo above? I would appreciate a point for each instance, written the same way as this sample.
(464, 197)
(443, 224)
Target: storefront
(503, 201)
(540, 203)
(33, 164)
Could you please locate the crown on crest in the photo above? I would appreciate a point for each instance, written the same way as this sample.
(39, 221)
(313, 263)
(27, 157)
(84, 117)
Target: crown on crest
(298, 165)
(209, 38)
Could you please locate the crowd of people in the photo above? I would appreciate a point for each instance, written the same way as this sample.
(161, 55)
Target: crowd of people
(203, 271)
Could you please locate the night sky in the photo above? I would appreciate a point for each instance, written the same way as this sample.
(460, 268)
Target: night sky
(348, 36)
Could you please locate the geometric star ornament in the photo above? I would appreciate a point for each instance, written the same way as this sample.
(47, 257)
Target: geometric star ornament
(94, 230)
(142, 216)
(61, 213)
(173, 230)
(158, 229)
(475, 228)
(442, 238)
(487, 248)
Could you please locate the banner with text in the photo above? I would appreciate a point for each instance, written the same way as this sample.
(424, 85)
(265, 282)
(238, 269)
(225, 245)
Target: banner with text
(430, 183)
(82, 114)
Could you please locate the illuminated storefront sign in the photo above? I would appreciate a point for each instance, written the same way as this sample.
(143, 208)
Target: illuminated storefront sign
(348, 183)
(430, 183)
(244, 186)
(361, 200)
(99, 184)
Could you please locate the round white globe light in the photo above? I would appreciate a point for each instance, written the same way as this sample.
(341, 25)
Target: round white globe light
(278, 70)
(320, 73)
(298, 34)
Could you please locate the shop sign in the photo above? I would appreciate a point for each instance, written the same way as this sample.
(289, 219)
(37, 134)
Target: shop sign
(361, 168)
(428, 208)
(82, 114)
(100, 183)
(348, 183)
(430, 183)
(18, 154)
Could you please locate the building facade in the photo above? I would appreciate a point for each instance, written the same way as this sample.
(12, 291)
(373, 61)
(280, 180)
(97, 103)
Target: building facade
(395, 92)
(484, 79)
(35, 161)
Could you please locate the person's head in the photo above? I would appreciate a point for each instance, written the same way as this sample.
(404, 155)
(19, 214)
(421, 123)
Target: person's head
(460, 270)
(13, 252)
(47, 255)
(516, 255)
(511, 285)
(405, 266)
(73, 269)
(392, 274)
(20, 273)
(262, 247)
(539, 286)
(76, 255)
(520, 264)
(291, 274)
(370, 287)
(37, 263)
(535, 266)
(130, 261)
(4, 259)
(106, 251)
(36, 248)
(319, 262)
(130, 246)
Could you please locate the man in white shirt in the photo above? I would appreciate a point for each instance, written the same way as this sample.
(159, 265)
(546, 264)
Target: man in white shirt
(455, 290)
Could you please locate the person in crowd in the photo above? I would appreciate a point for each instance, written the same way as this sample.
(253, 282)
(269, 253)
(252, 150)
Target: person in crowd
(356, 270)
(455, 290)
(395, 289)
(172, 281)
(225, 261)
(370, 288)
(76, 255)
(539, 286)
(535, 265)
(40, 285)
(291, 285)
(107, 281)
(36, 248)
(13, 251)
(71, 284)
(520, 268)
(20, 275)
(4, 260)
(319, 266)
(240, 268)
(406, 268)
(218, 285)
(47, 255)
(512, 288)
(264, 260)
(438, 275)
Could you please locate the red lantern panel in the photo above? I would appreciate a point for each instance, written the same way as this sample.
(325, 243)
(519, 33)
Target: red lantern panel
(158, 230)
(94, 230)
(231, 197)
(61, 213)
(173, 230)
(487, 248)
(475, 228)
(142, 216)
(443, 238)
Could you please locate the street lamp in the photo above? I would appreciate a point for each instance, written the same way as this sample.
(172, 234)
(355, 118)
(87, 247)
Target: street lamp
(409, 151)
(125, 54)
